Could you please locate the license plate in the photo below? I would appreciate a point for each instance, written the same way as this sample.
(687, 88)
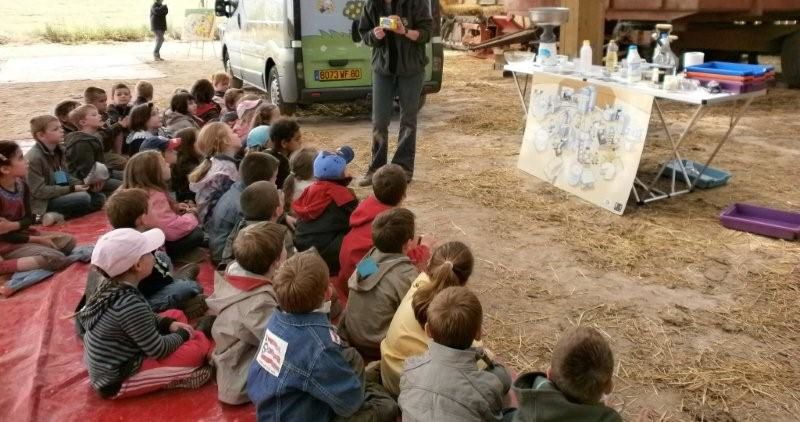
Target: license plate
(337, 75)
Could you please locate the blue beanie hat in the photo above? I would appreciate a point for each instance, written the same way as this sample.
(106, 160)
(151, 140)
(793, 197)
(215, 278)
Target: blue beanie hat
(258, 136)
(329, 165)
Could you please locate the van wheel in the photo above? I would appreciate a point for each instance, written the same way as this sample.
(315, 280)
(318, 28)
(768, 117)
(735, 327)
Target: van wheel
(790, 60)
(235, 82)
(275, 96)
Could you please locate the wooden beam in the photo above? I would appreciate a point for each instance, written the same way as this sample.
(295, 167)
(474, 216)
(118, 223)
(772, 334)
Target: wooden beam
(586, 22)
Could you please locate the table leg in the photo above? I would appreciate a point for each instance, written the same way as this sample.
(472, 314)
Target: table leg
(675, 146)
(519, 91)
(734, 121)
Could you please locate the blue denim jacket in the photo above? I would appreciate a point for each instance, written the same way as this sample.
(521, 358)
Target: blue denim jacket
(300, 374)
(223, 220)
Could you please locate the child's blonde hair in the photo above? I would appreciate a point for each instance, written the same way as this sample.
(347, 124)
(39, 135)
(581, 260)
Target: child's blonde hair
(144, 171)
(80, 113)
(213, 139)
(301, 164)
(220, 77)
(39, 124)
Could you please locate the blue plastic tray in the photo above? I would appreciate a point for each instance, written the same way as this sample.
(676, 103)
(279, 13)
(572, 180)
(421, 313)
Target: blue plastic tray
(732, 69)
(711, 178)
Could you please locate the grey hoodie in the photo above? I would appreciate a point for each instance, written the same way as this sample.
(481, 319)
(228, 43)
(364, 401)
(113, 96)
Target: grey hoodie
(82, 150)
(374, 299)
(243, 302)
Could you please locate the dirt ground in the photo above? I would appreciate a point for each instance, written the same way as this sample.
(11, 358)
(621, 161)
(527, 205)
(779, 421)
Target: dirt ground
(704, 321)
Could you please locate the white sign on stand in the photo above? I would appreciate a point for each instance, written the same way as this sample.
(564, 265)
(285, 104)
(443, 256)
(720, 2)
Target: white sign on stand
(584, 138)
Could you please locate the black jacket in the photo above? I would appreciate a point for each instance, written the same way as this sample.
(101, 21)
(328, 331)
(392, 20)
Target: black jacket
(82, 150)
(410, 56)
(158, 17)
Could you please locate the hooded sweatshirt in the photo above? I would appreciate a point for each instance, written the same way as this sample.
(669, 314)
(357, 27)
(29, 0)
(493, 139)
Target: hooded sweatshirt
(121, 330)
(208, 190)
(376, 289)
(82, 150)
(358, 242)
(323, 218)
(174, 122)
(243, 302)
(541, 401)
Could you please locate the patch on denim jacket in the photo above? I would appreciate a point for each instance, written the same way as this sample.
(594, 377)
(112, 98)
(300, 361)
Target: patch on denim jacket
(271, 354)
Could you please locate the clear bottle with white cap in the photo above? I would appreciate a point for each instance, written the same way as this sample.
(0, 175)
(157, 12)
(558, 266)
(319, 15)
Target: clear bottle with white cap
(586, 58)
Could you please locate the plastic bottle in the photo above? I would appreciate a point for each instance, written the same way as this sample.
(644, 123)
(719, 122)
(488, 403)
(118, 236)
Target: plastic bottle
(634, 65)
(586, 57)
(612, 56)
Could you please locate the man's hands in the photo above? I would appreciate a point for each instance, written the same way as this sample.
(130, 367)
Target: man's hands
(378, 32)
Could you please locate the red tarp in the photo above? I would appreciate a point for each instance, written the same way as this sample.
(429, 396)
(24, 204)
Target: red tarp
(42, 376)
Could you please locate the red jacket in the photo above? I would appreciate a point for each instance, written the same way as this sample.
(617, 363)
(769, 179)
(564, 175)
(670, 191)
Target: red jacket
(358, 242)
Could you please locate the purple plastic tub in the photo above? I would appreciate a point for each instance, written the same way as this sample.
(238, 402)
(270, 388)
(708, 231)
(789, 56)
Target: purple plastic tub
(760, 220)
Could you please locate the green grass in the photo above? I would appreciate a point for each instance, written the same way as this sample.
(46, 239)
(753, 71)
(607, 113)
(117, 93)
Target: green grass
(76, 35)
(76, 21)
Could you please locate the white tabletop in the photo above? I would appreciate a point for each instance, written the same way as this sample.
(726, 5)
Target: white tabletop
(700, 96)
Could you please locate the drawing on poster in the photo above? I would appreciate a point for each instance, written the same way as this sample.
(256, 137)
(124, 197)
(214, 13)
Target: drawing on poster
(585, 139)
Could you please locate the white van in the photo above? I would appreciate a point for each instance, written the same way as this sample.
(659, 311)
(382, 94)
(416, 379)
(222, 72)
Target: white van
(302, 52)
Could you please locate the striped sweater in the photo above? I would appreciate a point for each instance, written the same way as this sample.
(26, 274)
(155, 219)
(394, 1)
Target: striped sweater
(121, 330)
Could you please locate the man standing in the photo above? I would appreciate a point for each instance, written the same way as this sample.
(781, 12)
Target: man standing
(398, 69)
(158, 24)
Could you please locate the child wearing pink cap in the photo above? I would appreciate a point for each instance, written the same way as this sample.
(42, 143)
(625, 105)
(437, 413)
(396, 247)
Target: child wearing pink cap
(128, 349)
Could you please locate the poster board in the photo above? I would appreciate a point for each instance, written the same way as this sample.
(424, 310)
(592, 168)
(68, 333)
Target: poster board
(585, 139)
(198, 25)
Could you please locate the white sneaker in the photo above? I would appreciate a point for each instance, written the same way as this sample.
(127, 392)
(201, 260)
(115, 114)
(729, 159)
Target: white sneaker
(52, 218)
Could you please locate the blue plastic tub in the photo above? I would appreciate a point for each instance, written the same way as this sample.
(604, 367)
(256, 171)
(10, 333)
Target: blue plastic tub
(711, 178)
(732, 69)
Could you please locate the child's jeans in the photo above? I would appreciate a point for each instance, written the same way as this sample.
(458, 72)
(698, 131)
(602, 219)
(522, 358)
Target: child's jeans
(186, 367)
(173, 294)
(76, 204)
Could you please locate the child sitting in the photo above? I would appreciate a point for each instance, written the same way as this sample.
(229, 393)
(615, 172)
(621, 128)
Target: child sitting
(62, 113)
(255, 167)
(149, 171)
(217, 172)
(188, 160)
(168, 148)
(243, 301)
(246, 110)
(257, 140)
(450, 265)
(145, 123)
(97, 97)
(259, 202)
(182, 113)
(266, 114)
(164, 288)
(301, 176)
(207, 109)
(300, 372)
(53, 191)
(221, 82)
(445, 383)
(17, 240)
(144, 93)
(128, 349)
(84, 148)
(379, 283)
(231, 98)
(113, 139)
(285, 136)
(120, 103)
(323, 211)
(389, 190)
(581, 372)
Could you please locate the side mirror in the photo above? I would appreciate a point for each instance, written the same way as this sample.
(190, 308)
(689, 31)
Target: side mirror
(225, 7)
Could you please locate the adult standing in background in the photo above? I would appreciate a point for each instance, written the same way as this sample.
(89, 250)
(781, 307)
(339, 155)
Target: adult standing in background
(158, 24)
(398, 69)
